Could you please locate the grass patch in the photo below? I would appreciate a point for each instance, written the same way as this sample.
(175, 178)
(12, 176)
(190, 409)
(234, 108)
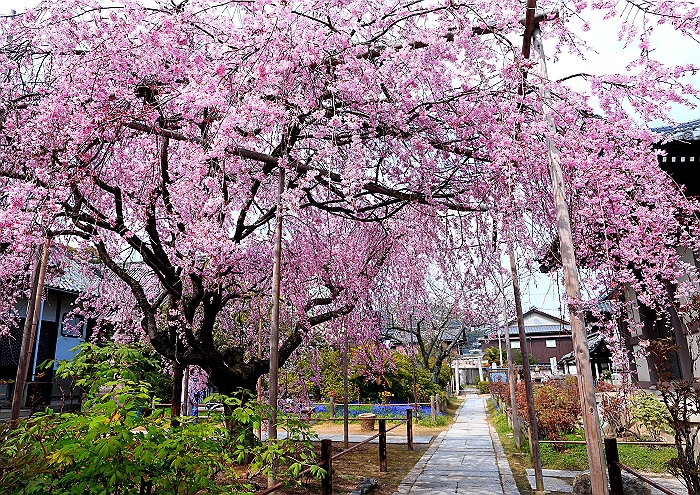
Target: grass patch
(518, 459)
(639, 457)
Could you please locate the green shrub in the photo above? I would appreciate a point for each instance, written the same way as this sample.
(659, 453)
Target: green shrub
(557, 407)
(651, 413)
(482, 385)
(427, 421)
(118, 446)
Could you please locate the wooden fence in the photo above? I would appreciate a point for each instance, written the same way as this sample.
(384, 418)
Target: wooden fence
(327, 457)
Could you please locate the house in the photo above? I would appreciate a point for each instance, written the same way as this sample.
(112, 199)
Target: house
(58, 333)
(548, 337)
(599, 355)
(680, 161)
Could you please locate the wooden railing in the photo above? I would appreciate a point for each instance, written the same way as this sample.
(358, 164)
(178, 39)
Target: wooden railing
(615, 468)
(327, 457)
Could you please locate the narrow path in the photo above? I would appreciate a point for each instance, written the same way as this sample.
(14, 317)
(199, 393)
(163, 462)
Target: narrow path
(466, 459)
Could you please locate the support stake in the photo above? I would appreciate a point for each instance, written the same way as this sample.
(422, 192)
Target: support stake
(327, 464)
(409, 429)
(382, 445)
(612, 458)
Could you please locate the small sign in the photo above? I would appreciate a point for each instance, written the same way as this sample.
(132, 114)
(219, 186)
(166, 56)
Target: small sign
(498, 376)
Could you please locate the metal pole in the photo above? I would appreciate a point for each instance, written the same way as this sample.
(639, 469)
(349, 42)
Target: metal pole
(38, 339)
(589, 409)
(31, 322)
(534, 434)
(500, 347)
(346, 411)
(275, 327)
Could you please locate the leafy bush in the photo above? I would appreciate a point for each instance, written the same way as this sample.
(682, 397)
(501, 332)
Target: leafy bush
(557, 406)
(650, 413)
(427, 421)
(483, 386)
(501, 390)
(118, 446)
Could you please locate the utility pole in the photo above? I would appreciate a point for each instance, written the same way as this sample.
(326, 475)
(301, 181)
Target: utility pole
(589, 409)
(31, 322)
(509, 357)
(275, 327)
(534, 434)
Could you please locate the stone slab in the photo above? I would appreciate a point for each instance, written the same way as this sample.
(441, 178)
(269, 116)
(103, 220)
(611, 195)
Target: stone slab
(554, 484)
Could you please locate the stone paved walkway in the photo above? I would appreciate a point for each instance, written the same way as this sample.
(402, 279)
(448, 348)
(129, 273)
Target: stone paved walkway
(466, 459)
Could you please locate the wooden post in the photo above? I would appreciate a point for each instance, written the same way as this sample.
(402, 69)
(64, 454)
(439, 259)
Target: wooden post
(382, 445)
(589, 409)
(432, 407)
(327, 464)
(346, 409)
(409, 429)
(612, 457)
(331, 407)
(146, 487)
(534, 434)
(438, 404)
(275, 320)
(31, 322)
(258, 432)
(509, 357)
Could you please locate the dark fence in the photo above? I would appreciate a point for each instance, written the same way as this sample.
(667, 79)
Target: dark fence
(615, 467)
(327, 457)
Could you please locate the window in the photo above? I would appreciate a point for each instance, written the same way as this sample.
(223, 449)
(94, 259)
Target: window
(515, 344)
(72, 326)
(550, 343)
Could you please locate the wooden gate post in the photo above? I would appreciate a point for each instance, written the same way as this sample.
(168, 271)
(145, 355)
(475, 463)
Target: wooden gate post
(614, 473)
(382, 445)
(327, 464)
(409, 429)
(432, 407)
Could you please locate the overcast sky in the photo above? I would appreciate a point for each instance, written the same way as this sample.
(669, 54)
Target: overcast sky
(611, 56)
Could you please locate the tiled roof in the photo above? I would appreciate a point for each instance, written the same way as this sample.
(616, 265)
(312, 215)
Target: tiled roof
(535, 330)
(687, 130)
(72, 279)
(592, 344)
(76, 278)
